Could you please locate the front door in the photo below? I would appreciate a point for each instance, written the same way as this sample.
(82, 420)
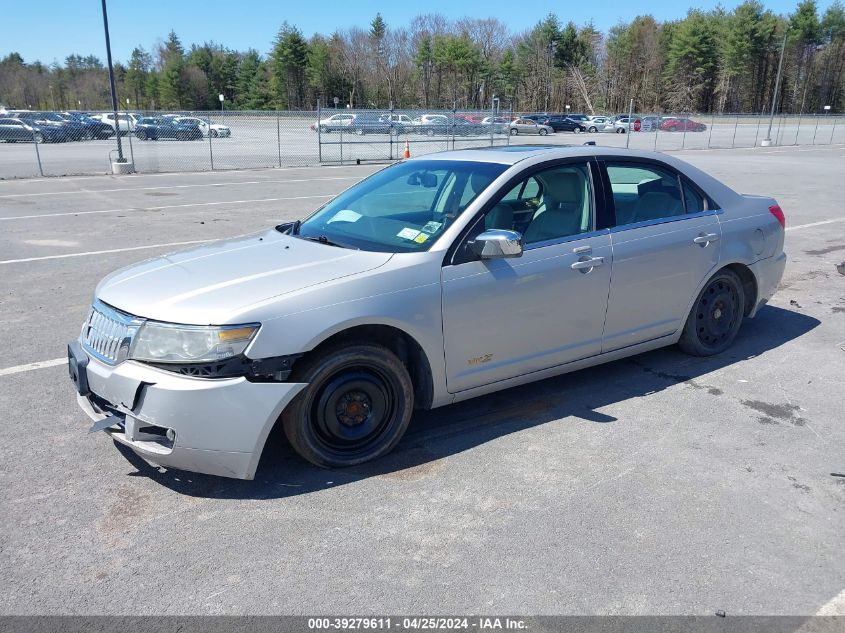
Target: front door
(507, 317)
(665, 244)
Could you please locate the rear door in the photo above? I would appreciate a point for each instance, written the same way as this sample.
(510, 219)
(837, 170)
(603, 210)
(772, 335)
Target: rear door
(665, 238)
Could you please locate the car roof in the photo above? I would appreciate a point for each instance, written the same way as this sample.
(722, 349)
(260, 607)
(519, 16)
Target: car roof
(513, 154)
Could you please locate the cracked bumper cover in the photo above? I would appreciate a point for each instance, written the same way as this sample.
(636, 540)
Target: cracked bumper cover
(220, 425)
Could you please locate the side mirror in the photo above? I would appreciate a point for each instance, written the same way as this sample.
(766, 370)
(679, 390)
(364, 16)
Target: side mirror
(497, 244)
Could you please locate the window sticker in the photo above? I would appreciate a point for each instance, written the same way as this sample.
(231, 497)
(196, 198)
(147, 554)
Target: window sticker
(345, 215)
(407, 233)
(422, 237)
(431, 227)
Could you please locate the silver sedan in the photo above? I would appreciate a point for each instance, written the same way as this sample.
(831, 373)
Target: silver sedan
(435, 280)
(527, 126)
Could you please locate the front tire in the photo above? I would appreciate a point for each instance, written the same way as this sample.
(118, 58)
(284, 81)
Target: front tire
(213, 133)
(356, 407)
(716, 316)
(543, 132)
(593, 129)
(514, 131)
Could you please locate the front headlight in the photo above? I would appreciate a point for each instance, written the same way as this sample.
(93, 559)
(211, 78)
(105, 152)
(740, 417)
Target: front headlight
(166, 343)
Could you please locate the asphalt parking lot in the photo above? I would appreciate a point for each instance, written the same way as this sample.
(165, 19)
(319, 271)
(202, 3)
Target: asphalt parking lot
(660, 484)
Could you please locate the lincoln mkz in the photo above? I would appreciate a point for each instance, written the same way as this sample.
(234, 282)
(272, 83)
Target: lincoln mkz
(435, 280)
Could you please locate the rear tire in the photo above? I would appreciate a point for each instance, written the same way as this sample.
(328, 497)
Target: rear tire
(181, 136)
(356, 407)
(543, 132)
(38, 137)
(593, 129)
(213, 133)
(715, 317)
(514, 131)
(577, 130)
(141, 135)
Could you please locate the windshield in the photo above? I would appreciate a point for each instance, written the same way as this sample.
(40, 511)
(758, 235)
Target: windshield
(403, 208)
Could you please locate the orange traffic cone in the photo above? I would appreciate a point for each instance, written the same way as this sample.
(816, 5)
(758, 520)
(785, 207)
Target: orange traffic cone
(407, 153)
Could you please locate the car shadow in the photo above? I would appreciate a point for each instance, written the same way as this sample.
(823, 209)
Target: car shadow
(446, 431)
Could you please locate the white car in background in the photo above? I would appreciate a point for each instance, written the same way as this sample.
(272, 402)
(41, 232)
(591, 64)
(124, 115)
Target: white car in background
(334, 122)
(428, 119)
(126, 120)
(208, 129)
(597, 123)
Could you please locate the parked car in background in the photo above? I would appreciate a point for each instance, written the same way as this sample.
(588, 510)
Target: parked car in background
(450, 126)
(529, 126)
(650, 123)
(597, 123)
(154, 128)
(679, 124)
(92, 128)
(208, 129)
(14, 130)
(380, 123)
(126, 121)
(55, 127)
(497, 268)
(624, 125)
(334, 123)
(561, 123)
(499, 123)
(583, 118)
(425, 119)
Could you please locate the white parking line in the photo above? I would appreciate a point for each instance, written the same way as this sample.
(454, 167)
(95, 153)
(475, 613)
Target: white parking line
(17, 369)
(211, 184)
(836, 606)
(156, 208)
(114, 250)
(807, 226)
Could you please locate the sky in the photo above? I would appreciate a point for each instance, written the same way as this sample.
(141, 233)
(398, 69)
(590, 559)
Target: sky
(58, 28)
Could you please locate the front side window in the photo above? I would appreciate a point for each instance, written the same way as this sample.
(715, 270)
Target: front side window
(551, 204)
(403, 208)
(643, 192)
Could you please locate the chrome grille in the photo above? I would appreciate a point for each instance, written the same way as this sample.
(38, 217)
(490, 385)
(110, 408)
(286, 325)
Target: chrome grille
(107, 333)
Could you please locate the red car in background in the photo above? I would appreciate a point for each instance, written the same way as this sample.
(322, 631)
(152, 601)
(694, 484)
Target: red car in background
(673, 124)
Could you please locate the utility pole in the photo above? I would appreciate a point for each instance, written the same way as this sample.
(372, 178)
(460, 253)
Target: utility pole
(768, 140)
(120, 158)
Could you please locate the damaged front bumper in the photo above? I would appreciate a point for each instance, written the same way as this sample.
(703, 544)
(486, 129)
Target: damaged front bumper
(213, 426)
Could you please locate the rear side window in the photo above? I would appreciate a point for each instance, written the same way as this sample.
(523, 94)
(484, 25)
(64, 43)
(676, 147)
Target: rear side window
(643, 192)
(694, 201)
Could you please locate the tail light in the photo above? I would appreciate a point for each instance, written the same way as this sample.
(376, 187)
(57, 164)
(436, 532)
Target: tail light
(776, 211)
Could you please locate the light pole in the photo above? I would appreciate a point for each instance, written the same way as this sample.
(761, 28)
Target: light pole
(120, 158)
(768, 140)
(222, 98)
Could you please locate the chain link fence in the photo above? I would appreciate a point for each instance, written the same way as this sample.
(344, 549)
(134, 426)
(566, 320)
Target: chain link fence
(200, 141)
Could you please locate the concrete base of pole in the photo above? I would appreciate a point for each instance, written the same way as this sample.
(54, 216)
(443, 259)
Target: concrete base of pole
(766, 142)
(119, 169)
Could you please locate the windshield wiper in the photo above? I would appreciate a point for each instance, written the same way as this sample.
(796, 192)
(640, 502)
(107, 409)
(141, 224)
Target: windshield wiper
(322, 239)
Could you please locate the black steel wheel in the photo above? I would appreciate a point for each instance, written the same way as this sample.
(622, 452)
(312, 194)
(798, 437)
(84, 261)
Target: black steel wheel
(356, 407)
(716, 316)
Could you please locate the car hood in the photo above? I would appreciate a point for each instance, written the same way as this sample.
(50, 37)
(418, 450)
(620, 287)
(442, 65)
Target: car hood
(216, 283)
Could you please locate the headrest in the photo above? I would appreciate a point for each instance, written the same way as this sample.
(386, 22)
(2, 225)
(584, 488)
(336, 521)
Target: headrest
(564, 186)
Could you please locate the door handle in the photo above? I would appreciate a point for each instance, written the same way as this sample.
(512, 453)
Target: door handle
(704, 240)
(584, 264)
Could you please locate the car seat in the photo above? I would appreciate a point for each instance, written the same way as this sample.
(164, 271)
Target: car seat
(562, 210)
